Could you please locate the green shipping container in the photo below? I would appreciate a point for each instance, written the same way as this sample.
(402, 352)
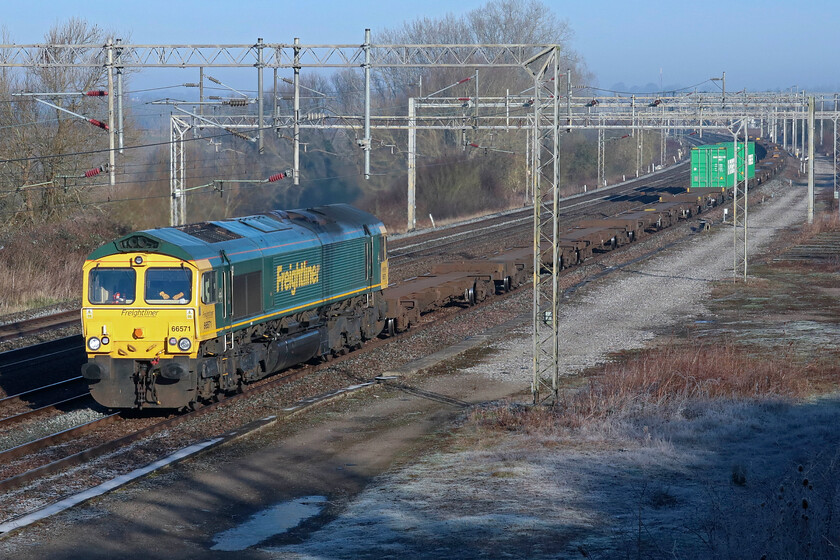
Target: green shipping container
(714, 166)
(709, 168)
(750, 160)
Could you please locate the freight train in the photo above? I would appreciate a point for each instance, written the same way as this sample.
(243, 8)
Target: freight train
(174, 317)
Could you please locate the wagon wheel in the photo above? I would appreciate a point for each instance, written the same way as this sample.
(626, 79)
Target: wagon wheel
(469, 295)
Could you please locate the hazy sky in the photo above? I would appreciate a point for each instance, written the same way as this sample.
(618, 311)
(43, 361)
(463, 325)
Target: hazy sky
(760, 44)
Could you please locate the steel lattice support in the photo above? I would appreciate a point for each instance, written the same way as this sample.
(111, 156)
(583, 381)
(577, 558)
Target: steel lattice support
(275, 55)
(836, 159)
(809, 156)
(739, 206)
(602, 176)
(663, 134)
(834, 119)
(546, 297)
(178, 206)
(640, 147)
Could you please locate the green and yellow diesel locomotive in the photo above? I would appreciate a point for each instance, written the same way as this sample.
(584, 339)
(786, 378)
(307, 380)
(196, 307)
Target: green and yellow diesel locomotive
(174, 316)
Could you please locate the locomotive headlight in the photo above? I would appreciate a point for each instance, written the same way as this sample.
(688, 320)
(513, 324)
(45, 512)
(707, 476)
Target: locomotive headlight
(184, 344)
(105, 340)
(173, 341)
(94, 343)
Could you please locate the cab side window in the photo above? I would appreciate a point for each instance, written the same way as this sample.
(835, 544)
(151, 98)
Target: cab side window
(209, 294)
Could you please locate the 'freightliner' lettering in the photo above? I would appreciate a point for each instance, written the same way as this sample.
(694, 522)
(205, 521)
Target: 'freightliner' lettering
(139, 313)
(297, 277)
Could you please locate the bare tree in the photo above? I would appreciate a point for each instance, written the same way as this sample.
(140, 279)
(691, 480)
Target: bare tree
(46, 151)
(494, 174)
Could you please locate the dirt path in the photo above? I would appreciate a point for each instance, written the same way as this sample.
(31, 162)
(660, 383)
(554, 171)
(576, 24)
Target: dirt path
(355, 465)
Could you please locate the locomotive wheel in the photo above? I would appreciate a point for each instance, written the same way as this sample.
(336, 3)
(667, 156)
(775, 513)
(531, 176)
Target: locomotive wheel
(506, 284)
(195, 405)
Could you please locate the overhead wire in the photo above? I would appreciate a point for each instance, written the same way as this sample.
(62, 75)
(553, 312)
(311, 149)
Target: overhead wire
(243, 187)
(686, 88)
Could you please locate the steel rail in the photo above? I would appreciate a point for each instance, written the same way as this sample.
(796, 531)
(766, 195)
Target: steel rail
(38, 325)
(30, 392)
(18, 417)
(58, 437)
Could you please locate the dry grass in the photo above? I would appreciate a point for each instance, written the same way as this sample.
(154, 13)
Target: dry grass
(665, 381)
(759, 512)
(42, 266)
(823, 223)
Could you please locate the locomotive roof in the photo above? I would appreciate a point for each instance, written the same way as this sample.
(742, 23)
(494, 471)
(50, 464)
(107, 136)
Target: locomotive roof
(237, 236)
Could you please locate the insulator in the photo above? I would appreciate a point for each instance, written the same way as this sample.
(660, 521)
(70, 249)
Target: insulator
(464, 98)
(94, 172)
(100, 124)
(192, 84)
(276, 177)
(465, 80)
(215, 98)
(236, 102)
(97, 93)
(474, 145)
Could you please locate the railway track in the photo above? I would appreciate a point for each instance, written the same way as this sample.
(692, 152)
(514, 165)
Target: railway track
(35, 375)
(39, 325)
(27, 463)
(42, 399)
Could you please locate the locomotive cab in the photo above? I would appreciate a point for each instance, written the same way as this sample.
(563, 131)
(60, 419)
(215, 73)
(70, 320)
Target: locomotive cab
(139, 317)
